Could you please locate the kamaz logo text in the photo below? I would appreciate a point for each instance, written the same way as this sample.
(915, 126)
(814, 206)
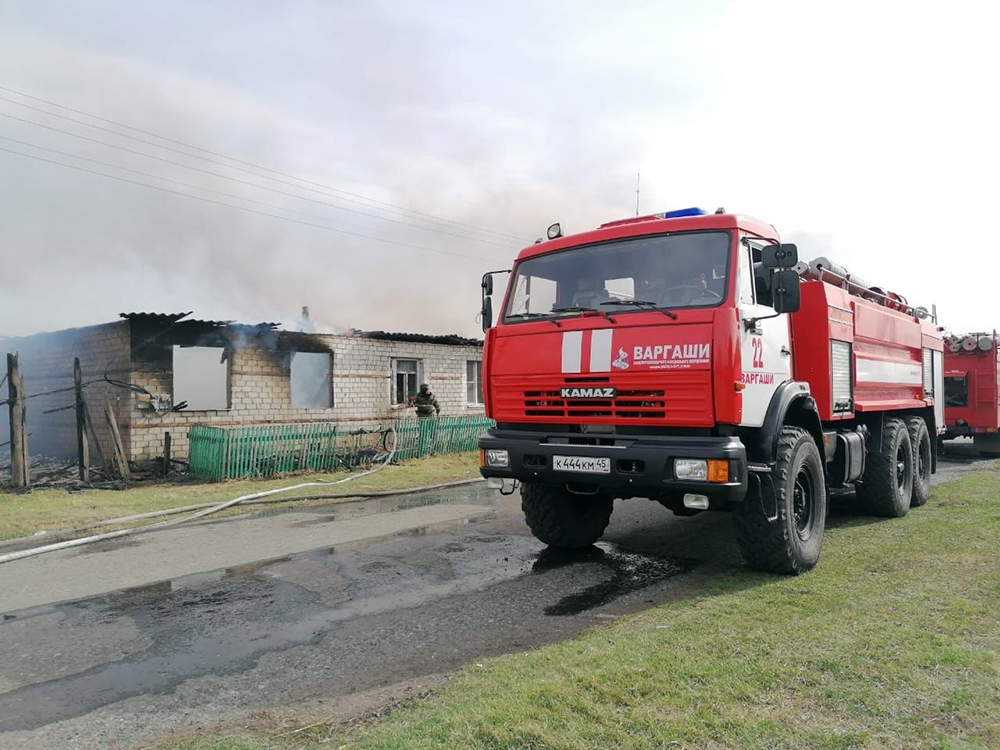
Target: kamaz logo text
(588, 392)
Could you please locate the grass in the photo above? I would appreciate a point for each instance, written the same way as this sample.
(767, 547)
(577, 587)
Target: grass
(55, 509)
(891, 643)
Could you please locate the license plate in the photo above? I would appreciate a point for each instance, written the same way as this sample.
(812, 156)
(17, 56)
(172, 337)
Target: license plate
(583, 464)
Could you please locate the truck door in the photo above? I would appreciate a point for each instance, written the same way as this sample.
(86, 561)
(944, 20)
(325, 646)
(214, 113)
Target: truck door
(765, 351)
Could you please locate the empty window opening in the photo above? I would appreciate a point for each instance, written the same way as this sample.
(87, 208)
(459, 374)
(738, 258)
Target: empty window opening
(201, 378)
(311, 380)
(474, 382)
(405, 376)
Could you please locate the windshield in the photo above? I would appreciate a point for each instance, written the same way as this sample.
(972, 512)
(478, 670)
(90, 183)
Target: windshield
(669, 271)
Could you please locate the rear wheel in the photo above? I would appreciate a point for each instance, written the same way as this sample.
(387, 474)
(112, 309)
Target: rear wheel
(920, 440)
(561, 519)
(887, 484)
(791, 542)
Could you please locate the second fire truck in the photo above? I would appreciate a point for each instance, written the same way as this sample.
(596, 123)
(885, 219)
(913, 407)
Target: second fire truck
(972, 390)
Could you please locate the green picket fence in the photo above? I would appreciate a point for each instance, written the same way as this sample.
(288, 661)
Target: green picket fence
(218, 453)
(424, 437)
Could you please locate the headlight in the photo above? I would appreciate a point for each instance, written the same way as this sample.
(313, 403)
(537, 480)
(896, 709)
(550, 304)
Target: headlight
(691, 468)
(497, 458)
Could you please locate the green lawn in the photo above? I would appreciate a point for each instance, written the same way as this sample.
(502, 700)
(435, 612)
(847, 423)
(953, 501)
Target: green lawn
(55, 509)
(891, 643)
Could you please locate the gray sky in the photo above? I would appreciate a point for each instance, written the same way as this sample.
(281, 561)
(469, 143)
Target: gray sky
(864, 131)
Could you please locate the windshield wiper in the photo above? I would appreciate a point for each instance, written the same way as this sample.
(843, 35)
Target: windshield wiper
(577, 308)
(644, 303)
(528, 315)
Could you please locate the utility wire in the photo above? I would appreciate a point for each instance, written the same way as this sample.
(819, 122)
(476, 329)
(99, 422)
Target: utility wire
(241, 208)
(427, 216)
(240, 181)
(187, 184)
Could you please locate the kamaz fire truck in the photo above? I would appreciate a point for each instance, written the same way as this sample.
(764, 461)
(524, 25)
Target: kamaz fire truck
(972, 390)
(691, 359)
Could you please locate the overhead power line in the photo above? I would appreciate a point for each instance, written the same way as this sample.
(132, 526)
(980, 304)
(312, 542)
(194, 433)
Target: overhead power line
(396, 208)
(248, 183)
(165, 179)
(241, 208)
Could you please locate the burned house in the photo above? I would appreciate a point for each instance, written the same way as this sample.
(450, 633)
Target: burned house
(158, 373)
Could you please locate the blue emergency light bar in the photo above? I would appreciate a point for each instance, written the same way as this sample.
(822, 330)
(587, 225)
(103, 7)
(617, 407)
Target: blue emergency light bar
(682, 212)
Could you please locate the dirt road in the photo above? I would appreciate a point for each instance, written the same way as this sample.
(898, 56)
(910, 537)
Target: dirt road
(317, 613)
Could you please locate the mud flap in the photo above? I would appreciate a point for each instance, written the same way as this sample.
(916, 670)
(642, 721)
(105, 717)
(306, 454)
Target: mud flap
(762, 493)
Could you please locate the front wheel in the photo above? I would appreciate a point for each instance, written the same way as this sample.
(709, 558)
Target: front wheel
(796, 489)
(561, 519)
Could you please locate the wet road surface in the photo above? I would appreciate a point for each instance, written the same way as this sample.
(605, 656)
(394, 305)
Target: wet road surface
(164, 639)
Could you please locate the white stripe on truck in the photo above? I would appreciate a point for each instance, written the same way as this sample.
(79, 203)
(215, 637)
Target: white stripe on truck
(572, 351)
(882, 371)
(600, 351)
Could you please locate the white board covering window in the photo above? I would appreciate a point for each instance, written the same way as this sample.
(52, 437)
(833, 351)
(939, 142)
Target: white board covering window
(201, 378)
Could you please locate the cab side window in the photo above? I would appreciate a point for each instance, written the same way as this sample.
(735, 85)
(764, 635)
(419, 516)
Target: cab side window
(761, 277)
(745, 278)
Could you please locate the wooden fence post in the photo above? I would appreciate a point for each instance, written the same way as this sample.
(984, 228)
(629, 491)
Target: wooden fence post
(82, 448)
(166, 454)
(116, 443)
(20, 468)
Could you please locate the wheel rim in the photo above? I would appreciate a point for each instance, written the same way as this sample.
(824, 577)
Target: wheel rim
(900, 468)
(803, 500)
(924, 460)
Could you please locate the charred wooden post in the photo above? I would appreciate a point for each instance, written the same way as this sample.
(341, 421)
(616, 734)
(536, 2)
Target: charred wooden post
(20, 467)
(116, 442)
(82, 448)
(166, 454)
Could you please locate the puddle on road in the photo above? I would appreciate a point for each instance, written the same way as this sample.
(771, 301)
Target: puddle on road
(629, 572)
(468, 495)
(208, 627)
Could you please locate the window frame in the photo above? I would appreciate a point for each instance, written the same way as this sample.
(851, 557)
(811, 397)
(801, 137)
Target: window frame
(394, 374)
(478, 370)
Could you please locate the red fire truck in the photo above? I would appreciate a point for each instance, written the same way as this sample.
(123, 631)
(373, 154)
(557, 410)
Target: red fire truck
(972, 390)
(689, 358)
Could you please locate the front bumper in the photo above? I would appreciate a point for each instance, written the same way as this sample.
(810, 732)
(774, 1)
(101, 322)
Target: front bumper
(641, 465)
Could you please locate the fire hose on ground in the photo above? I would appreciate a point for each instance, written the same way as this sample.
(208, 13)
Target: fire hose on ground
(21, 554)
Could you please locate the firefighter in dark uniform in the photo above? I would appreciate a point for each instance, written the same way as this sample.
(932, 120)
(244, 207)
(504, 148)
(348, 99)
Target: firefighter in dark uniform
(427, 405)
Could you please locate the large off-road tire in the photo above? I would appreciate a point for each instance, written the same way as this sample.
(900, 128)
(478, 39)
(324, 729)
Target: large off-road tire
(791, 542)
(987, 445)
(886, 487)
(920, 440)
(561, 519)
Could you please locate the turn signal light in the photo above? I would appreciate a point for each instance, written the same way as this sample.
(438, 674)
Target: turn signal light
(482, 457)
(718, 470)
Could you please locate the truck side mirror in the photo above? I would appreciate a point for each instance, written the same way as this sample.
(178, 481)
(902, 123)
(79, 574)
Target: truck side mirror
(487, 313)
(487, 285)
(780, 256)
(785, 288)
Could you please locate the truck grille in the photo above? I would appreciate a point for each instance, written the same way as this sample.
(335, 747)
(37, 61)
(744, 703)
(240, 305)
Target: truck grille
(631, 404)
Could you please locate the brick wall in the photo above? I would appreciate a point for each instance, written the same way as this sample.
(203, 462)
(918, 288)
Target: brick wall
(46, 362)
(260, 389)
(259, 386)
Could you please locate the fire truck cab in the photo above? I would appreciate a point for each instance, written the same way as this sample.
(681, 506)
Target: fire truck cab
(693, 360)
